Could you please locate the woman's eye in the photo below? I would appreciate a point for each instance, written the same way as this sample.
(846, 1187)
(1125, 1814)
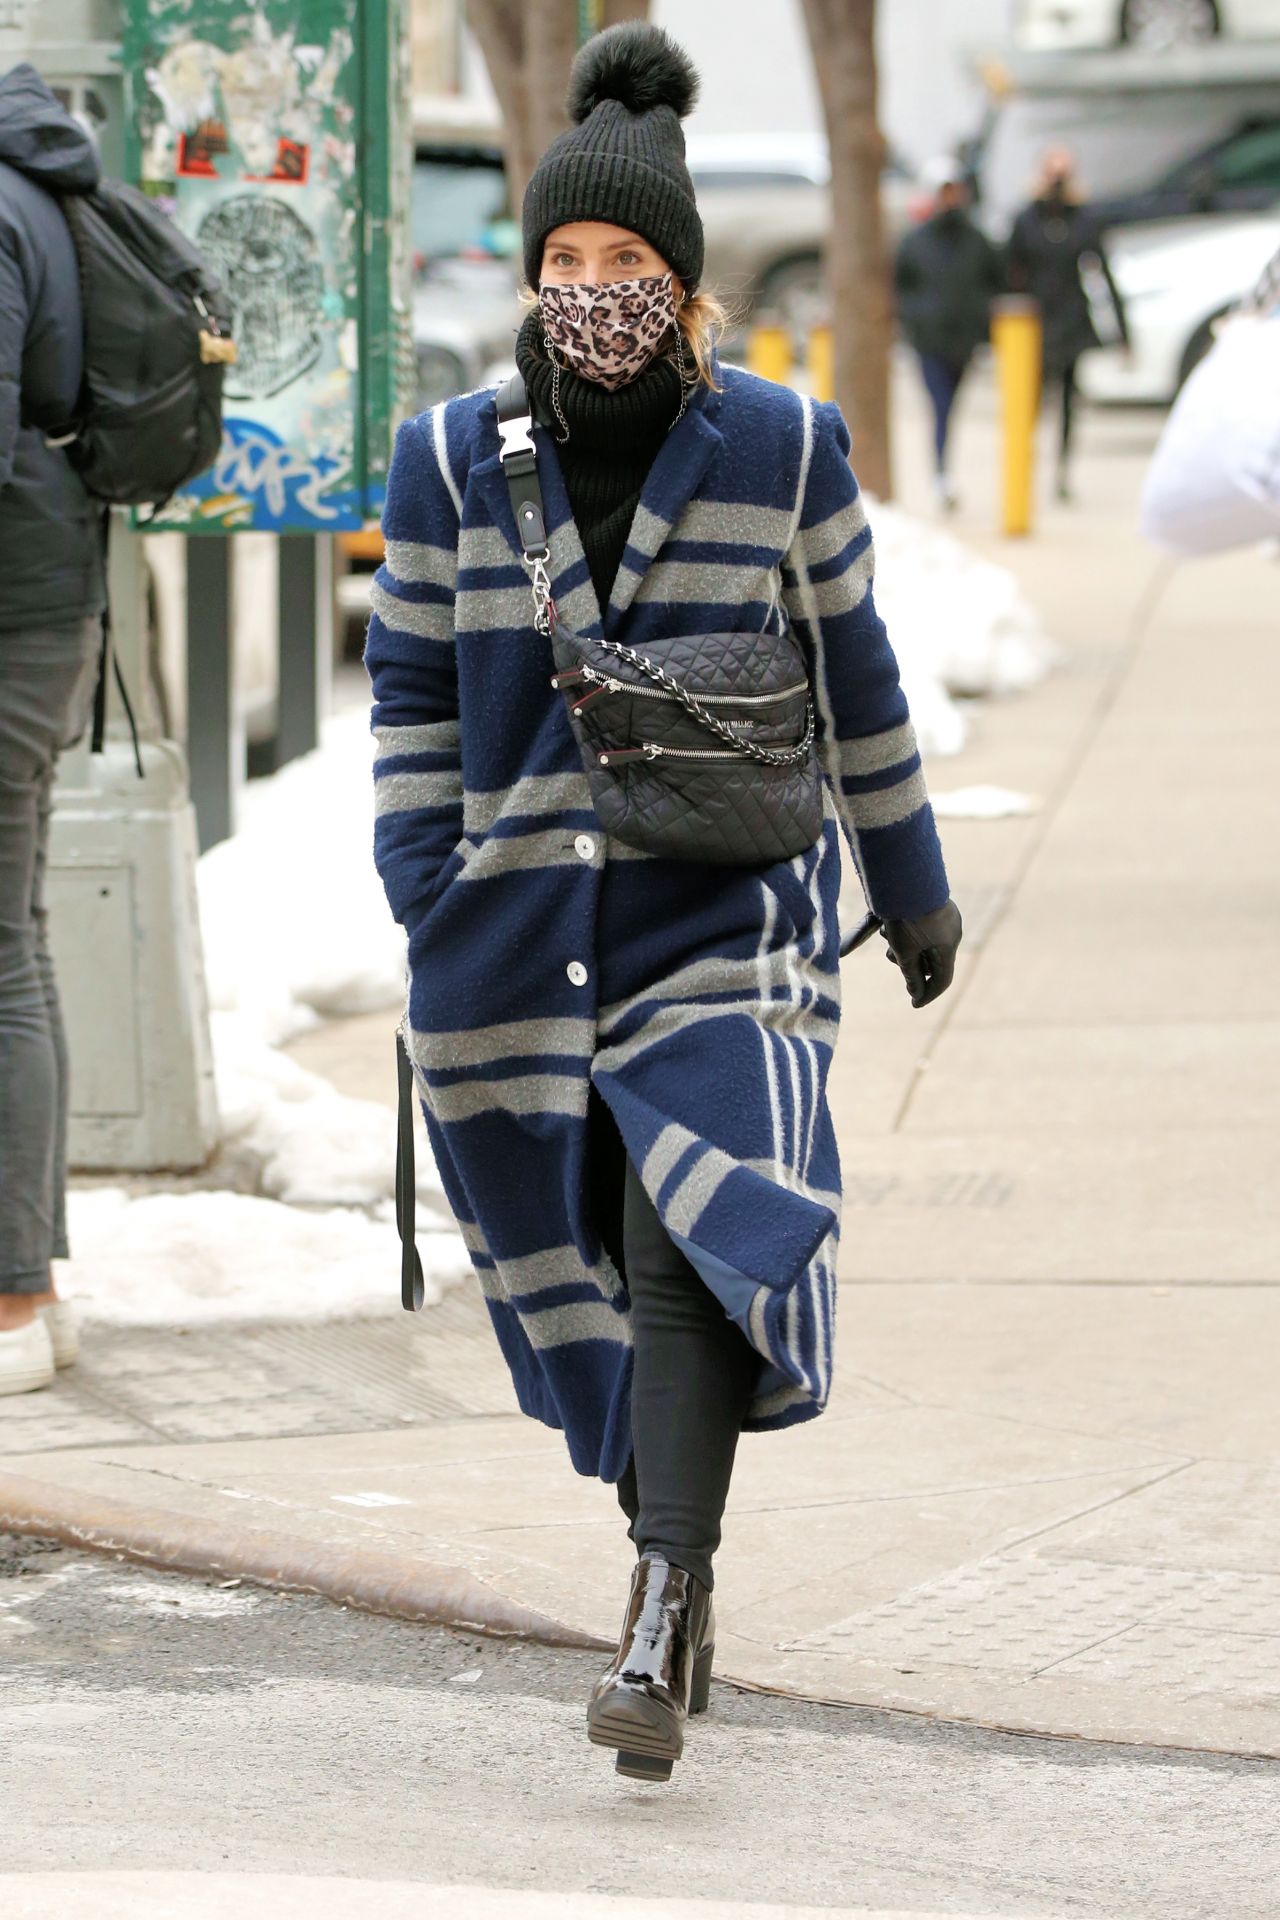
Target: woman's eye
(628, 259)
(564, 259)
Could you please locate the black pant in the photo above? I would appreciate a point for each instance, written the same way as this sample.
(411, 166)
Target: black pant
(942, 383)
(693, 1376)
(1067, 382)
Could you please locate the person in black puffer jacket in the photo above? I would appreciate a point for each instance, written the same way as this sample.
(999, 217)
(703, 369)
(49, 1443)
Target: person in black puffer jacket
(946, 276)
(51, 597)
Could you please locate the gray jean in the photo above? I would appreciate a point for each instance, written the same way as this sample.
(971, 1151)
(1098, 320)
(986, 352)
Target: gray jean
(47, 680)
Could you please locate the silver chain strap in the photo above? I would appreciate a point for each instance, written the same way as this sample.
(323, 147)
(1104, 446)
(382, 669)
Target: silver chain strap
(767, 756)
(536, 566)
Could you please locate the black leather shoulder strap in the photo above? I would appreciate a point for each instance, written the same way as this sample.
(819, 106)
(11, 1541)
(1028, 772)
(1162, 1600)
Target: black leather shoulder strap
(520, 464)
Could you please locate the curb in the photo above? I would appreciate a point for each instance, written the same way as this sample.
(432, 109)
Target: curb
(116, 1895)
(374, 1581)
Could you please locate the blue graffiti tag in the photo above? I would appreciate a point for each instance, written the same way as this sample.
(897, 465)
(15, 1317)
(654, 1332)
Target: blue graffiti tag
(255, 464)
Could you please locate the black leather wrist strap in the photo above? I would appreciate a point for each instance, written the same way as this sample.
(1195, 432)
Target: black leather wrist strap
(413, 1289)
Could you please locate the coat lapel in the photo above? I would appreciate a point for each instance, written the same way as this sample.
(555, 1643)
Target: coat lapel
(674, 478)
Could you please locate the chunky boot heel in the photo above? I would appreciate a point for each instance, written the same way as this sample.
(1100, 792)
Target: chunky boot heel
(700, 1691)
(640, 1705)
(643, 1766)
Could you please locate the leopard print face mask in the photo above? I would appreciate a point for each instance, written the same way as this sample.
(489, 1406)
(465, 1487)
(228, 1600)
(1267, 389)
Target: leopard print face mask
(609, 333)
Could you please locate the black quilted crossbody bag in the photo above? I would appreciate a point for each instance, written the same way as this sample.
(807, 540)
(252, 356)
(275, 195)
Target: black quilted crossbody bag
(701, 746)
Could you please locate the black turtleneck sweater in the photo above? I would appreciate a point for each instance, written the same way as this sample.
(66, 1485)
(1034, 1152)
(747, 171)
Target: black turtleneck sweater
(613, 441)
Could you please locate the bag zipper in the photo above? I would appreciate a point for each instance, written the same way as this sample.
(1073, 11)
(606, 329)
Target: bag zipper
(606, 683)
(611, 756)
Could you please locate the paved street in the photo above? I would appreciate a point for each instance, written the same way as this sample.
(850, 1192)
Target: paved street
(152, 1725)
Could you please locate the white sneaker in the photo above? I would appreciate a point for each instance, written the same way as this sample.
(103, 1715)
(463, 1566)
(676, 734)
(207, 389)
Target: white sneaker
(63, 1322)
(26, 1358)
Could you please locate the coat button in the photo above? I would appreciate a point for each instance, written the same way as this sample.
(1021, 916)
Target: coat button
(577, 973)
(585, 847)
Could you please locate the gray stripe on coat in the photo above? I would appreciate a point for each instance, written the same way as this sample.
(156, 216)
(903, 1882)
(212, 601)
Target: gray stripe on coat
(522, 1094)
(522, 852)
(437, 736)
(407, 792)
(697, 1190)
(734, 522)
(488, 609)
(777, 1015)
(745, 977)
(891, 804)
(416, 561)
(534, 1273)
(508, 1040)
(534, 793)
(664, 1153)
(708, 583)
(876, 751)
(846, 590)
(427, 619)
(830, 537)
(576, 1320)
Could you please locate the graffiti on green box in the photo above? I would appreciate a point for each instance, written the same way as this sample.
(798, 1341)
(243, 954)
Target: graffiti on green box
(245, 120)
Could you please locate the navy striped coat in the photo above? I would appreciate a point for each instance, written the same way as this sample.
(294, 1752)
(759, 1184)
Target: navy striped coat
(702, 1002)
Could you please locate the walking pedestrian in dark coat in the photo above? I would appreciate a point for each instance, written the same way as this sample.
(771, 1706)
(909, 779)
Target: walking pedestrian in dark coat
(946, 275)
(50, 605)
(622, 1058)
(1056, 254)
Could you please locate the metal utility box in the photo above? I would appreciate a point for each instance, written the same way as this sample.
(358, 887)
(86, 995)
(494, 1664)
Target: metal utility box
(277, 135)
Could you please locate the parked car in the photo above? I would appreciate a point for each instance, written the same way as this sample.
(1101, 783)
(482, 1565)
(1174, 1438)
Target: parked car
(1177, 278)
(1050, 24)
(466, 256)
(1154, 137)
(765, 202)
(1239, 172)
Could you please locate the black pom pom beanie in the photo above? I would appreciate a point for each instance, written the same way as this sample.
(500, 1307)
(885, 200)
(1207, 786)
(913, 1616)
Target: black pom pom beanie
(623, 161)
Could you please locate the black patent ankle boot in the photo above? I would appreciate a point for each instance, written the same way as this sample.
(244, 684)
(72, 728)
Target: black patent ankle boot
(660, 1674)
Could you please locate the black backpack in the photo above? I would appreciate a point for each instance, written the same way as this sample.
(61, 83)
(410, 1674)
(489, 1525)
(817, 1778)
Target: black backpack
(155, 346)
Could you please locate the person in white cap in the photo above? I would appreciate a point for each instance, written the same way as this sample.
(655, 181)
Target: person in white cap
(946, 277)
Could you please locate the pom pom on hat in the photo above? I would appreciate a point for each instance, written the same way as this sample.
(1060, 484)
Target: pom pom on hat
(623, 159)
(636, 64)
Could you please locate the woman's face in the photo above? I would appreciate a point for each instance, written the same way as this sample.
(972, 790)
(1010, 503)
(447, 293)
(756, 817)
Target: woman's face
(591, 253)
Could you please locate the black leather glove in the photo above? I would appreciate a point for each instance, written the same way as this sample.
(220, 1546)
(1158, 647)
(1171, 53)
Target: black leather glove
(925, 949)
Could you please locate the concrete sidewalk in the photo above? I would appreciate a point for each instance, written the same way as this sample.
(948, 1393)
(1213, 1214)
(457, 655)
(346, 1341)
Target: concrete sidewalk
(1045, 1496)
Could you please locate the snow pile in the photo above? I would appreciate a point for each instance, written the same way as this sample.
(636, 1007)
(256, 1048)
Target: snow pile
(308, 1144)
(191, 1258)
(295, 923)
(959, 624)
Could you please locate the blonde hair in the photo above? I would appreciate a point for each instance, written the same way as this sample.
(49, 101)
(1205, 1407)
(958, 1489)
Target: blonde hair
(701, 318)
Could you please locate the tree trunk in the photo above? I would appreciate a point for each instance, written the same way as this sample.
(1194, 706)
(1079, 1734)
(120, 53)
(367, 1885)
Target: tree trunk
(528, 47)
(842, 38)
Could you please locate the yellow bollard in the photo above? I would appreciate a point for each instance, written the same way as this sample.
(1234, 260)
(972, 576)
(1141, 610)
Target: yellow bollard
(822, 363)
(769, 353)
(1016, 340)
